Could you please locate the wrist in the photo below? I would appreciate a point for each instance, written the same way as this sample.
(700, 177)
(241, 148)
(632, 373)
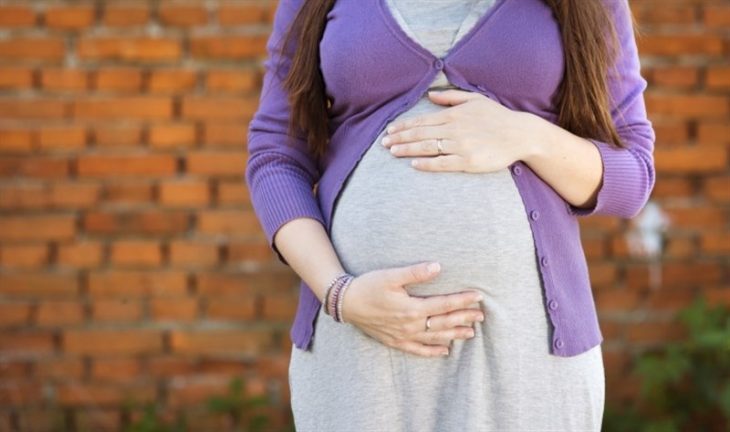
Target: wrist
(539, 136)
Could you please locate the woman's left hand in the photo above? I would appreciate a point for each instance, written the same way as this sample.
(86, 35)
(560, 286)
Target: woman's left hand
(478, 134)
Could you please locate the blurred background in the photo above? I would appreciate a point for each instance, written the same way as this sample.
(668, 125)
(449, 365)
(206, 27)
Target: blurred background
(137, 291)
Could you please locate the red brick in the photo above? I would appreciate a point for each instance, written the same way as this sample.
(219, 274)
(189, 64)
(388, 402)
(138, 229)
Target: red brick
(698, 217)
(23, 196)
(220, 163)
(32, 48)
(131, 107)
(666, 14)
(217, 108)
(116, 311)
(82, 254)
(233, 193)
(690, 159)
(717, 15)
(126, 165)
(688, 106)
(101, 394)
(192, 253)
(713, 132)
(26, 343)
(228, 47)
(231, 309)
(172, 80)
(232, 81)
(16, 16)
(129, 194)
(184, 15)
(184, 193)
(172, 135)
(60, 368)
(240, 252)
(32, 109)
(183, 309)
(118, 80)
(136, 253)
(716, 243)
(36, 167)
(678, 44)
(72, 195)
(228, 222)
(147, 223)
(135, 284)
(221, 341)
(716, 188)
(675, 76)
(123, 15)
(14, 314)
(15, 77)
(64, 79)
(104, 419)
(23, 256)
(129, 49)
(95, 342)
(125, 135)
(65, 138)
(718, 77)
(60, 313)
(28, 228)
(655, 332)
(225, 134)
(34, 285)
(669, 299)
(237, 13)
(20, 393)
(278, 307)
(16, 141)
(69, 17)
(116, 369)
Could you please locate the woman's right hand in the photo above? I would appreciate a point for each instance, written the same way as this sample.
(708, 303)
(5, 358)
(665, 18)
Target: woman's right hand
(379, 305)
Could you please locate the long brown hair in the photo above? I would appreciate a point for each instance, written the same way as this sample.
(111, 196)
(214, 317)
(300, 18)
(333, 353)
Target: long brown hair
(590, 47)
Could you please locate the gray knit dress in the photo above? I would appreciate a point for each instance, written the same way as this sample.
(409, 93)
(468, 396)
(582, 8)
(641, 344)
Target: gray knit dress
(390, 214)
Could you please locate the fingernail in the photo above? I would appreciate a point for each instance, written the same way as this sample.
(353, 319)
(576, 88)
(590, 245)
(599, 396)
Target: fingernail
(433, 267)
(481, 318)
(445, 353)
(479, 297)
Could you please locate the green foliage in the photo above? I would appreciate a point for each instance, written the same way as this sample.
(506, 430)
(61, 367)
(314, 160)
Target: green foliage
(241, 410)
(240, 407)
(685, 384)
(152, 422)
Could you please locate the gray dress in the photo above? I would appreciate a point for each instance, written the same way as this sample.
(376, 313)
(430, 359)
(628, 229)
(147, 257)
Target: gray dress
(390, 214)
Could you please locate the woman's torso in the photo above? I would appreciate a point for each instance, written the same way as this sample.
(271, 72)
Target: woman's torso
(391, 214)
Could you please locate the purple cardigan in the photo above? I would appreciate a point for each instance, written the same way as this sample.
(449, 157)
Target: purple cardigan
(373, 71)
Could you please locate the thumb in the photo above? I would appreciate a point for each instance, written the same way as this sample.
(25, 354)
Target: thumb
(420, 272)
(450, 96)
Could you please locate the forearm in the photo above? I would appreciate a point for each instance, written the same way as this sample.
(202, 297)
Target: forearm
(568, 163)
(305, 245)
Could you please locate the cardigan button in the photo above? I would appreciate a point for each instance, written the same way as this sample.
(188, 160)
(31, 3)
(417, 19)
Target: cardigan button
(534, 215)
(552, 304)
(544, 261)
(438, 64)
(516, 170)
(559, 343)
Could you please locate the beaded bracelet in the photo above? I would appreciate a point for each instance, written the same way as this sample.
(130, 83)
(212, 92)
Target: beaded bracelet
(335, 296)
(341, 296)
(328, 306)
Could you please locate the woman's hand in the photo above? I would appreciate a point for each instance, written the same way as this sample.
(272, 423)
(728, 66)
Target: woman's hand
(379, 305)
(478, 134)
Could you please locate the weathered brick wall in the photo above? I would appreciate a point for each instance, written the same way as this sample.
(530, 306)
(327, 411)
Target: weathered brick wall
(131, 263)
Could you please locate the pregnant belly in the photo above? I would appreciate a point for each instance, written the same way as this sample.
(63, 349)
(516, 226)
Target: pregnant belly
(389, 214)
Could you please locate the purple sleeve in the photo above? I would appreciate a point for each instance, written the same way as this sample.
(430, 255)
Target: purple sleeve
(628, 174)
(280, 177)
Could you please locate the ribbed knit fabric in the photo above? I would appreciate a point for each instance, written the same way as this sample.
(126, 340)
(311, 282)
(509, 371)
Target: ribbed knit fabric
(514, 56)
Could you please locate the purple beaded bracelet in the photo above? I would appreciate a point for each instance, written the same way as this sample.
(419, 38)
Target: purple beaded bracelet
(340, 298)
(329, 305)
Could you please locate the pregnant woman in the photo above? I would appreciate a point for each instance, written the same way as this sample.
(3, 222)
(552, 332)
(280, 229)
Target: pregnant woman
(503, 335)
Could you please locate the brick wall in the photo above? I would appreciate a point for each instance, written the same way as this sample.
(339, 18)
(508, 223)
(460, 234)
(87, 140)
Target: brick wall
(132, 265)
